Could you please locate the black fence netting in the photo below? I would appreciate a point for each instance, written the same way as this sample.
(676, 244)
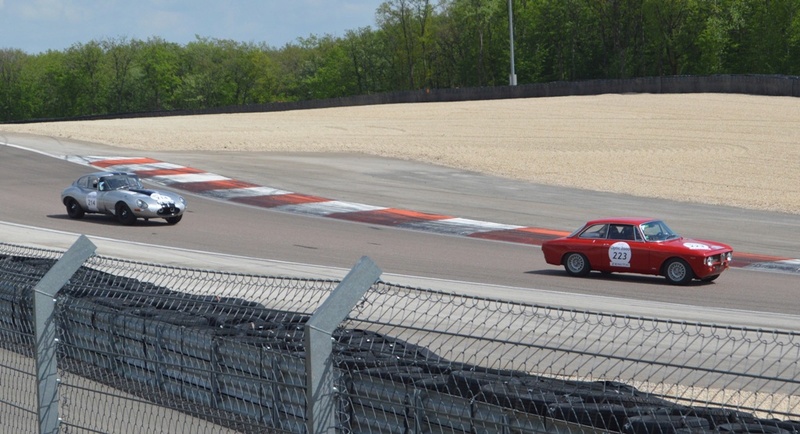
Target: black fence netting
(150, 348)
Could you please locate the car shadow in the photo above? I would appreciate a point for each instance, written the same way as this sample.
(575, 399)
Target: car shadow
(618, 277)
(107, 220)
(547, 272)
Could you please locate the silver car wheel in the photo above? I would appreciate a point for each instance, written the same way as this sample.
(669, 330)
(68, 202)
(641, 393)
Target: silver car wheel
(576, 264)
(678, 272)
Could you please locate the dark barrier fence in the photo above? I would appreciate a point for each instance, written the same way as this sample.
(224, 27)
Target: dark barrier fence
(769, 85)
(149, 348)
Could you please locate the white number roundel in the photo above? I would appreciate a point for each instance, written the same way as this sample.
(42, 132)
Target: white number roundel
(620, 254)
(91, 201)
(696, 246)
(160, 198)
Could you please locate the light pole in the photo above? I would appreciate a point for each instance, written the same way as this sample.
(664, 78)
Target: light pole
(512, 78)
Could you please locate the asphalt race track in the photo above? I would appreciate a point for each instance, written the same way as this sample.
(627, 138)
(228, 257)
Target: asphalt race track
(32, 182)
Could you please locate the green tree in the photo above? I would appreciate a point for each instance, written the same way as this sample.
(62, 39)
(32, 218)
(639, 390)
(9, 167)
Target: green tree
(558, 40)
(620, 27)
(54, 86)
(13, 104)
(670, 35)
(446, 55)
(293, 64)
(120, 60)
(406, 26)
(476, 19)
(327, 71)
(761, 44)
(202, 74)
(157, 74)
(722, 18)
(84, 64)
(792, 64)
(366, 52)
(249, 68)
(394, 17)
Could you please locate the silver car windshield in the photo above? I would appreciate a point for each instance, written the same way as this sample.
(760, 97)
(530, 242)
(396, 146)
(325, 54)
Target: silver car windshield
(119, 182)
(657, 230)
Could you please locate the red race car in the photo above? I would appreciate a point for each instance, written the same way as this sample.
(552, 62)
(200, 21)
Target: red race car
(637, 245)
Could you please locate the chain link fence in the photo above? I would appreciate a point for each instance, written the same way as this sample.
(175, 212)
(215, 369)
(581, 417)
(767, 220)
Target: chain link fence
(149, 348)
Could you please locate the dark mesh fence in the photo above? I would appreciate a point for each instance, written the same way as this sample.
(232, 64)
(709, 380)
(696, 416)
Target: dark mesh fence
(149, 348)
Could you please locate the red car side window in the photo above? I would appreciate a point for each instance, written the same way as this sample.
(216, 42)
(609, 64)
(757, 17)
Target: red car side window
(594, 231)
(621, 232)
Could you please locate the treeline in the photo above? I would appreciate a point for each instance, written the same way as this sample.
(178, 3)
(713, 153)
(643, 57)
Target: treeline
(415, 44)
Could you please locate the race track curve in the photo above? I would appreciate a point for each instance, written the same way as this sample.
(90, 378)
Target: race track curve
(32, 181)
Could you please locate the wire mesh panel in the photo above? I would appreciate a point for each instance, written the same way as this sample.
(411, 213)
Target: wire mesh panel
(17, 392)
(226, 348)
(148, 348)
(444, 353)
(20, 270)
(138, 342)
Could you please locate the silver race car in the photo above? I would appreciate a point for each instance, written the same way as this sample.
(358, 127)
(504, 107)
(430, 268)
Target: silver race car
(122, 195)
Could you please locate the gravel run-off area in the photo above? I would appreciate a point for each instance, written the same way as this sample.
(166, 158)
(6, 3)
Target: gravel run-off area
(725, 149)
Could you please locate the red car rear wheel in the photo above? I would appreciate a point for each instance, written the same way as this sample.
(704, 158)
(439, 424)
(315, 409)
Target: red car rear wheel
(576, 264)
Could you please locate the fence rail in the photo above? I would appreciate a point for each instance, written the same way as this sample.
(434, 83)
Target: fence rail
(149, 348)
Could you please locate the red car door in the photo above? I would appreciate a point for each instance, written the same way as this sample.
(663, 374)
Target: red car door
(623, 250)
(594, 243)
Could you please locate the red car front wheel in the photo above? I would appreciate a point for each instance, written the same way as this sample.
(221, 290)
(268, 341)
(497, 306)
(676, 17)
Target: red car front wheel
(678, 272)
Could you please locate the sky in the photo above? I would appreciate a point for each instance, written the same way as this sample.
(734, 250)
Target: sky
(35, 26)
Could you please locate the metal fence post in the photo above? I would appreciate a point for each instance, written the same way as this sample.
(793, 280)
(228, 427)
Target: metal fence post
(44, 304)
(320, 403)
